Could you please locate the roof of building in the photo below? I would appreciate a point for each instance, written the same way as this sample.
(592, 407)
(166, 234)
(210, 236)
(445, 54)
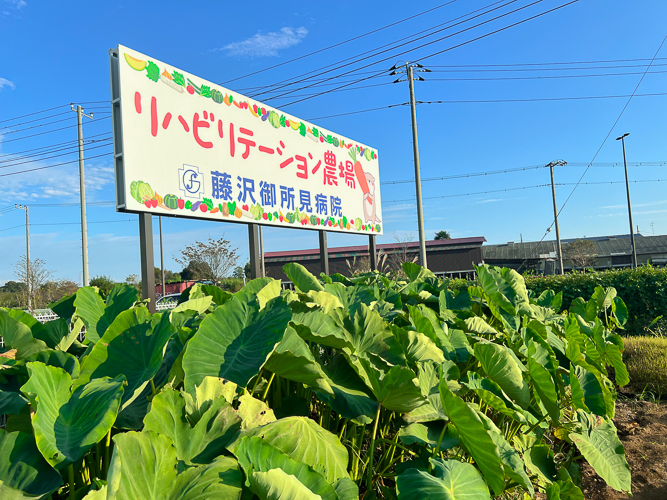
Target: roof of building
(607, 246)
(451, 244)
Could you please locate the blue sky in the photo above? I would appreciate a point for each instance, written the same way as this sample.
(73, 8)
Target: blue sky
(55, 53)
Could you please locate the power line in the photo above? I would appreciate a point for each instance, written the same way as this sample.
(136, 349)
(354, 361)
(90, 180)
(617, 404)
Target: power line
(55, 130)
(547, 77)
(458, 45)
(51, 166)
(53, 156)
(299, 78)
(519, 189)
(604, 141)
(67, 223)
(52, 145)
(607, 61)
(16, 157)
(339, 43)
(31, 114)
(393, 56)
(35, 120)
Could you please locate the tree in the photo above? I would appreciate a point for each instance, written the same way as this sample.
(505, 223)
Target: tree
(403, 253)
(242, 272)
(217, 258)
(54, 290)
(104, 283)
(195, 271)
(39, 275)
(169, 276)
(581, 253)
(443, 235)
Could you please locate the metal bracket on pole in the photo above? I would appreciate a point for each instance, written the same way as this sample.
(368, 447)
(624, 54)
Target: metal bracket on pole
(147, 260)
(324, 253)
(255, 260)
(372, 250)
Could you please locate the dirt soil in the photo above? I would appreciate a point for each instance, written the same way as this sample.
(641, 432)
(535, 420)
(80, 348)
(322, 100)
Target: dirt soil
(642, 428)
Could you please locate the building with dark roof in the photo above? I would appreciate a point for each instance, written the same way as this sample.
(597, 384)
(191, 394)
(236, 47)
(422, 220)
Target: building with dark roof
(611, 252)
(453, 257)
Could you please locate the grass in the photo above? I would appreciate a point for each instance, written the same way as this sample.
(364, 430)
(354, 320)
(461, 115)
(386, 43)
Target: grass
(646, 359)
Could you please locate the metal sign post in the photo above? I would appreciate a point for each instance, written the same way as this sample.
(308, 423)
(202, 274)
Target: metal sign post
(147, 260)
(255, 259)
(324, 253)
(372, 250)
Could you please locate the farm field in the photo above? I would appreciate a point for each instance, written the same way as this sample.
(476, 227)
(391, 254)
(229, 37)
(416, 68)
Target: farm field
(344, 388)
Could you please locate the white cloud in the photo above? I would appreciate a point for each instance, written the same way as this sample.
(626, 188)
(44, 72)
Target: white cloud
(16, 4)
(6, 83)
(261, 45)
(493, 200)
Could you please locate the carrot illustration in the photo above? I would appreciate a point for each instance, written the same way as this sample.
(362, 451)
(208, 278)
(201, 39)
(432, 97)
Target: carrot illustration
(359, 172)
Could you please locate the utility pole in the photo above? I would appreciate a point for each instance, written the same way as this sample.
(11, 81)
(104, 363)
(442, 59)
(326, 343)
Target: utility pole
(161, 255)
(82, 192)
(551, 165)
(27, 254)
(627, 189)
(409, 70)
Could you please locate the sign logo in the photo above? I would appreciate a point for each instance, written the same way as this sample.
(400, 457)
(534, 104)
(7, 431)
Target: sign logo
(191, 181)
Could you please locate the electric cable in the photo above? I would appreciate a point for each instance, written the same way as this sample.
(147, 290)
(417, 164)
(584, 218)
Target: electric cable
(31, 114)
(456, 46)
(340, 43)
(56, 165)
(57, 130)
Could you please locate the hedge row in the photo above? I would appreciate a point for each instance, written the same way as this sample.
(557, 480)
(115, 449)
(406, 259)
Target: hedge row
(643, 290)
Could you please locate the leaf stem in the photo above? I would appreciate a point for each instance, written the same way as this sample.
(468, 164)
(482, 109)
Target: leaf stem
(442, 435)
(259, 376)
(107, 447)
(266, 391)
(70, 481)
(372, 449)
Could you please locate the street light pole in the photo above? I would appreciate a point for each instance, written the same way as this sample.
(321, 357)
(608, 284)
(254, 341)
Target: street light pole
(551, 165)
(82, 192)
(27, 254)
(627, 189)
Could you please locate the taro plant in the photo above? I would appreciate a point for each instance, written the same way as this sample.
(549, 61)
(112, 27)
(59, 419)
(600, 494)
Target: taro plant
(345, 388)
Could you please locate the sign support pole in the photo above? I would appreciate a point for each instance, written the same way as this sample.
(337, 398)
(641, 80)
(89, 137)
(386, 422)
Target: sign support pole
(255, 260)
(147, 260)
(324, 253)
(372, 250)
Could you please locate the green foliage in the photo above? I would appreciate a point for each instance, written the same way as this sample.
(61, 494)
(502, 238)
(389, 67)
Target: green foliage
(339, 390)
(103, 283)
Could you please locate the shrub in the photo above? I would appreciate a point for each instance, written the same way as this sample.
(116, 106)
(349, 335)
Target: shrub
(646, 359)
(341, 389)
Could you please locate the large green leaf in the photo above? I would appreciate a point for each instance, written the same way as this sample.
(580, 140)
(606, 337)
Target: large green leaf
(145, 467)
(278, 485)
(133, 345)
(11, 403)
(254, 412)
(351, 397)
(234, 341)
(67, 424)
(315, 325)
(600, 446)
(428, 435)
(504, 369)
(208, 438)
(395, 387)
(417, 346)
(305, 441)
(476, 439)
(18, 335)
(98, 315)
(451, 480)
(303, 280)
(23, 471)
(256, 455)
(491, 394)
(597, 397)
(514, 467)
(543, 384)
(293, 360)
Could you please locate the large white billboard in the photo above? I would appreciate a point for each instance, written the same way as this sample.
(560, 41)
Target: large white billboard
(188, 147)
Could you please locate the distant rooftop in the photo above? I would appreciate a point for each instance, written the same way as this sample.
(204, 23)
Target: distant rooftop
(606, 246)
(451, 244)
